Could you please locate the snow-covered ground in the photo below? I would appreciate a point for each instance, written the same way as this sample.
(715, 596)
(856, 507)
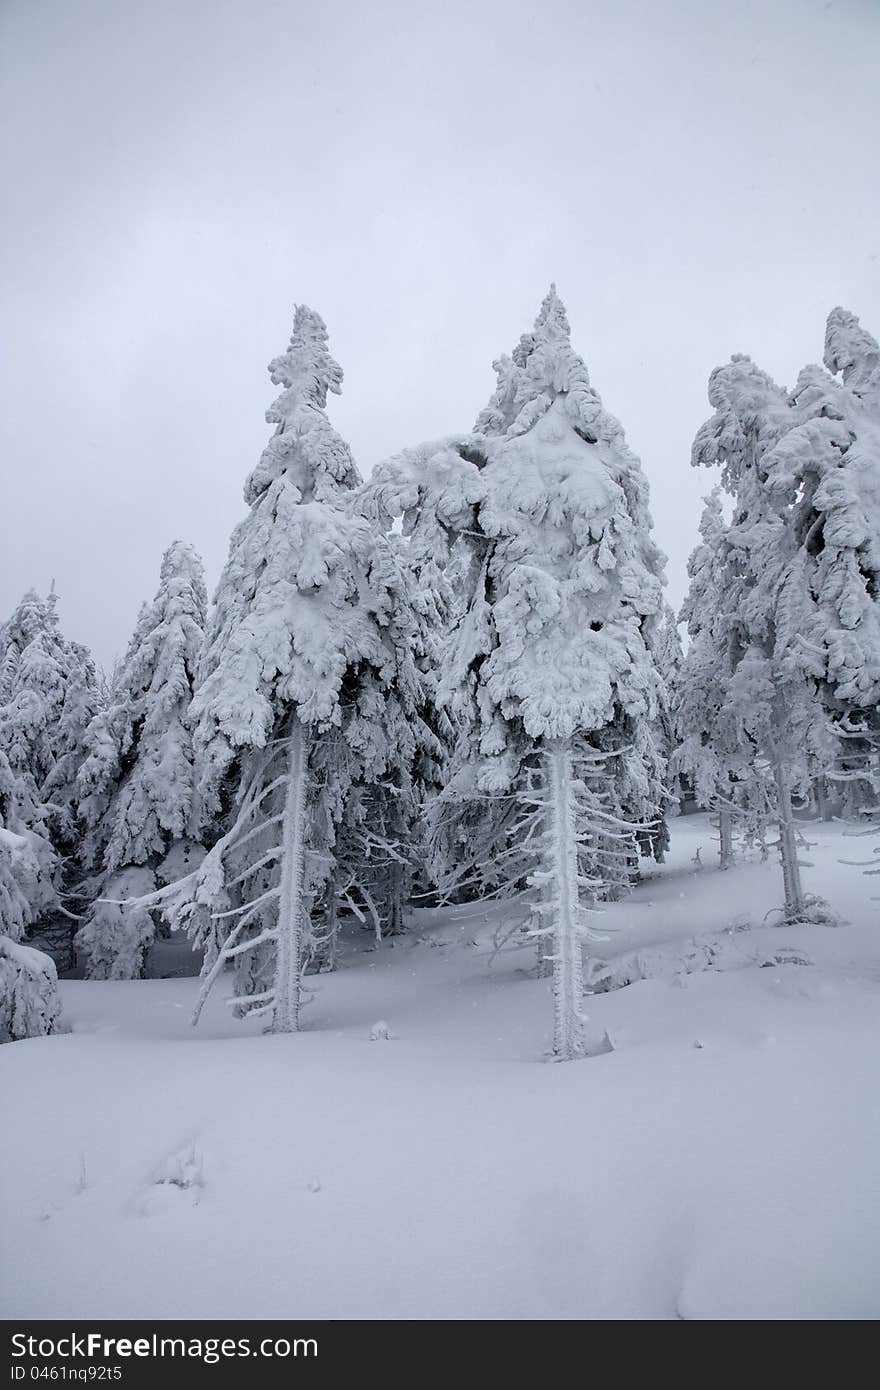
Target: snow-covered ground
(722, 1161)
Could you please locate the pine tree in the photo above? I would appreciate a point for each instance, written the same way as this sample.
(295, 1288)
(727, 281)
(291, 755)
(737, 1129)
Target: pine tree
(669, 659)
(828, 469)
(548, 673)
(709, 755)
(46, 684)
(28, 863)
(29, 1002)
(382, 846)
(136, 785)
(29, 894)
(825, 471)
(49, 693)
(307, 690)
(30, 1005)
(769, 708)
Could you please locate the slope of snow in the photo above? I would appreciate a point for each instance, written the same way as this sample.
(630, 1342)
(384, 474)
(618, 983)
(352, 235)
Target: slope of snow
(412, 1155)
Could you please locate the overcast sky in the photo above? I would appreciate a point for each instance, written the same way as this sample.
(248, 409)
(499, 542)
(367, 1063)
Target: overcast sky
(699, 177)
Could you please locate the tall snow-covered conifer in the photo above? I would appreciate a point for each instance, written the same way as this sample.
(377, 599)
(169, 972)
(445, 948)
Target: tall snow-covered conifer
(769, 708)
(307, 690)
(827, 471)
(710, 754)
(48, 694)
(792, 625)
(548, 673)
(136, 785)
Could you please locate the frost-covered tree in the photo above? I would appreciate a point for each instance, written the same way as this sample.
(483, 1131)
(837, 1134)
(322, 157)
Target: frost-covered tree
(29, 1004)
(381, 846)
(668, 656)
(28, 863)
(825, 472)
(548, 672)
(756, 613)
(709, 753)
(307, 690)
(48, 694)
(136, 784)
(782, 681)
(828, 469)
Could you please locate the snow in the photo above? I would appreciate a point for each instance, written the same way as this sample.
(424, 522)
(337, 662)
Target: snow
(721, 1162)
(29, 1002)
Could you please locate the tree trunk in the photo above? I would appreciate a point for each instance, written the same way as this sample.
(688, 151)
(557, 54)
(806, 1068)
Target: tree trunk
(725, 831)
(395, 899)
(545, 959)
(332, 946)
(289, 946)
(568, 981)
(791, 873)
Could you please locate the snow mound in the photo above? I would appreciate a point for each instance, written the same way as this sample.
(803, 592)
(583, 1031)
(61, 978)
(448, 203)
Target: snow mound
(670, 961)
(30, 1006)
(180, 1176)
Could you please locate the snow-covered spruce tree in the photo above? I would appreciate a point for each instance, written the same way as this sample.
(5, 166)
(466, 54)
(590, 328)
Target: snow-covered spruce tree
(136, 785)
(826, 470)
(29, 1003)
(48, 694)
(28, 863)
(669, 659)
(307, 688)
(548, 672)
(769, 704)
(709, 754)
(381, 848)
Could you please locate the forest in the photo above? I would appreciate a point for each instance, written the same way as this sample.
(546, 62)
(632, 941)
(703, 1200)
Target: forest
(455, 681)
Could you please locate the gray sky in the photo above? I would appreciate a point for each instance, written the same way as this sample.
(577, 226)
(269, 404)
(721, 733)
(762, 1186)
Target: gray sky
(699, 178)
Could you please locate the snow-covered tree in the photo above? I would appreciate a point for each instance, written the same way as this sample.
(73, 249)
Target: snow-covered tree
(825, 471)
(709, 754)
(548, 672)
(754, 611)
(382, 848)
(48, 697)
(29, 1004)
(136, 784)
(28, 863)
(669, 658)
(307, 690)
(782, 680)
(48, 694)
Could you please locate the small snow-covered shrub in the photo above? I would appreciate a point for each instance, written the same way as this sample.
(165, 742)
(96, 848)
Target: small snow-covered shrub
(29, 1002)
(27, 866)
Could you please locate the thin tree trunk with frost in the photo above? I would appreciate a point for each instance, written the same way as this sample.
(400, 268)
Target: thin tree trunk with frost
(823, 800)
(545, 959)
(562, 856)
(395, 900)
(332, 945)
(725, 832)
(290, 928)
(791, 873)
